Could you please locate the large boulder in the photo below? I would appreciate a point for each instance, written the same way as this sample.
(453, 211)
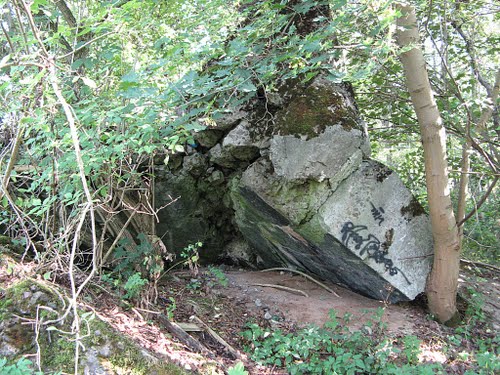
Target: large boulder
(289, 182)
(370, 234)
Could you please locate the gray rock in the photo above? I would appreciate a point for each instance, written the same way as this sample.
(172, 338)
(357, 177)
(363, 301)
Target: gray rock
(208, 138)
(37, 298)
(195, 164)
(382, 250)
(216, 178)
(223, 158)
(333, 155)
(240, 253)
(229, 120)
(376, 217)
(198, 213)
(275, 99)
(92, 366)
(105, 351)
(8, 350)
(238, 142)
(239, 136)
(296, 184)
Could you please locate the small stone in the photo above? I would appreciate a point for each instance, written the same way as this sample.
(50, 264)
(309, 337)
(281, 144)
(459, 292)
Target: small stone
(195, 164)
(38, 296)
(368, 330)
(267, 315)
(27, 294)
(217, 177)
(208, 138)
(229, 120)
(105, 351)
(258, 302)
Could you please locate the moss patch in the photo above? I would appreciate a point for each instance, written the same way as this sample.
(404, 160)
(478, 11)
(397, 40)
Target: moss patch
(312, 108)
(412, 210)
(313, 231)
(57, 347)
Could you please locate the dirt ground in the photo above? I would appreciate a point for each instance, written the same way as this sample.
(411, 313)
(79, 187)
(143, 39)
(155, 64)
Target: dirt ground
(227, 309)
(316, 306)
(227, 299)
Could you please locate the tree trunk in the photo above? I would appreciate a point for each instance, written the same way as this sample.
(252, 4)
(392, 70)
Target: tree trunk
(443, 280)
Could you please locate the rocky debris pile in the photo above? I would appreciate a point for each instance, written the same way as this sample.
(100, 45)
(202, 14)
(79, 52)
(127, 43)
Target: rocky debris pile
(289, 182)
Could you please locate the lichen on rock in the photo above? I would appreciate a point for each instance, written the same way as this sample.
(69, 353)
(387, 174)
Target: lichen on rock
(311, 108)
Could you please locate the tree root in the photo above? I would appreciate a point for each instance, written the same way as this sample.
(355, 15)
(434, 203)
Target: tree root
(305, 275)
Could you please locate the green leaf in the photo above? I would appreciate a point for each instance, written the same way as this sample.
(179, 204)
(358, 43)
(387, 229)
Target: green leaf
(5, 60)
(178, 148)
(89, 82)
(131, 77)
(35, 5)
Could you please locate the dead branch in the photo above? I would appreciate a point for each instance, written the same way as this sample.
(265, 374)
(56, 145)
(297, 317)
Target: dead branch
(184, 337)
(480, 264)
(219, 339)
(305, 275)
(480, 202)
(291, 290)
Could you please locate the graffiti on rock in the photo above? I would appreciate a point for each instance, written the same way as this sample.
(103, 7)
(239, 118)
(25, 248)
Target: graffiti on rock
(377, 214)
(370, 245)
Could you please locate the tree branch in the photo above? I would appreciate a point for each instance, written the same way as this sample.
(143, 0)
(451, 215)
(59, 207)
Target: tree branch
(67, 13)
(470, 50)
(480, 202)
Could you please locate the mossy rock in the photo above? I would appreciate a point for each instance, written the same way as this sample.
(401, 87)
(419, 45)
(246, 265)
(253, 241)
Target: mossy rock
(315, 106)
(106, 351)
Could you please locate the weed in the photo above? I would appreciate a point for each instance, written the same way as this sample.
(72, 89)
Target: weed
(134, 286)
(219, 278)
(411, 349)
(22, 367)
(191, 256)
(332, 350)
(171, 308)
(194, 284)
(237, 369)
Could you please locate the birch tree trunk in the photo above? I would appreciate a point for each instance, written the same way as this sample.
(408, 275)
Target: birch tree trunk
(443, 280)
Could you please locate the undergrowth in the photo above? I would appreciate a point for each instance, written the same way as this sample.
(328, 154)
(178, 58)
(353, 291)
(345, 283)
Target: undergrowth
(334, 349)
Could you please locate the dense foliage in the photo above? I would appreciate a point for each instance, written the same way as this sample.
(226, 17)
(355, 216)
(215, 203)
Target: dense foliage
(140, 77)
(94, 94)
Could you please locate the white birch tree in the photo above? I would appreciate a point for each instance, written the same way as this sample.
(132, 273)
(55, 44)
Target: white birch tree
(443, 280)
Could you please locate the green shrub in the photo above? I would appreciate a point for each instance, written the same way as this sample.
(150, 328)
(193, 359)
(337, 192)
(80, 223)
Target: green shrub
(22, 367)
(333, 349)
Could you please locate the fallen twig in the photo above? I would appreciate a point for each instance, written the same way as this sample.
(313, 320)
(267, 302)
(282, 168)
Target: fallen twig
(137, 313)
(480, 264)
(291, 290)
(214, 334)
(182, 335)
(305, 275)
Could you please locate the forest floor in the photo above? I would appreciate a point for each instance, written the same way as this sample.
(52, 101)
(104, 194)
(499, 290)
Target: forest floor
(226, 300)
